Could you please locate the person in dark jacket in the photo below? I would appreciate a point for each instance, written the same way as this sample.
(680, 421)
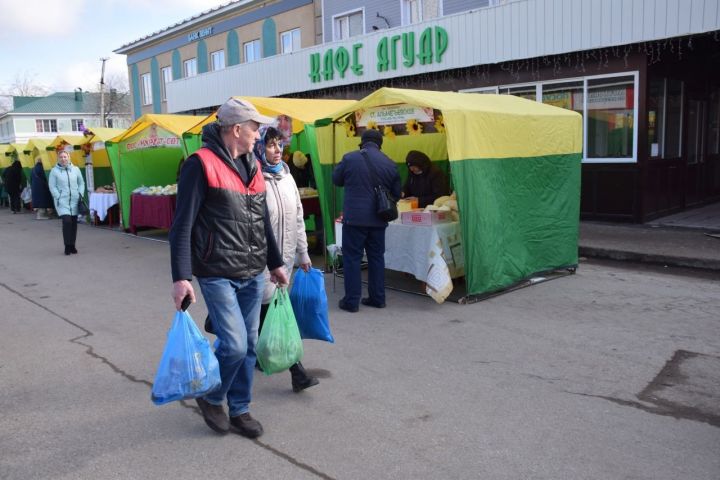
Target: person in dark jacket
(362, 228)
(222, 234)
(424, 181)
(14, 179)
(41, 198)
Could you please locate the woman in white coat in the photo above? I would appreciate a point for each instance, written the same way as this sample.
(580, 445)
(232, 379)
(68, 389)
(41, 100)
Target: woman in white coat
(288, 225)
(66, 186)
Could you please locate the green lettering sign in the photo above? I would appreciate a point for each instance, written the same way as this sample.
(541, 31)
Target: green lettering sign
(314, 68)
(382, 55)
(425, 50)
(431, 46)
(408, 48)
(356, 66)
(342, 61)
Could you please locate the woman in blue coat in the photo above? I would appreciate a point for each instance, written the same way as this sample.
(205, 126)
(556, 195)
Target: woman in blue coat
(41, 198)
(66, 186)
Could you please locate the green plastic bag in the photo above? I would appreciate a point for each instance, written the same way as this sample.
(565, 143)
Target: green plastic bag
(279, 346)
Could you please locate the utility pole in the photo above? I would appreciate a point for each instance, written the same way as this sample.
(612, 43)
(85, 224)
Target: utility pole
(102, 93)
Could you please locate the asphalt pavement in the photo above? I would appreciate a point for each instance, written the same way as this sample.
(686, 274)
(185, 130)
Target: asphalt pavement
(610, 373)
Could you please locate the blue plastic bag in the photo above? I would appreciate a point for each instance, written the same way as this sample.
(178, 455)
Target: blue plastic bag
(188, 367)
(309, 302)
(279, 345)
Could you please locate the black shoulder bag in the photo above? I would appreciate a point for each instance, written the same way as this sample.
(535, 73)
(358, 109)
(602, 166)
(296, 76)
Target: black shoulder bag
(386, 204)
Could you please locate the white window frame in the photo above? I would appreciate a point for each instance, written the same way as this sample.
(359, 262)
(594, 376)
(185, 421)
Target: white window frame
(164, 80)
(539, 92)
(186, 70)
(347, 14)
(75, 124)
(46, 127)
(146, 89)
(405, 11)
(252, 42)
(213, 55)
(290, 32)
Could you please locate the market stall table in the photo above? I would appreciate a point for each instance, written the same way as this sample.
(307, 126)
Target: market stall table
(151, 211)
(311, 205)
(433, 254)
(100, 204)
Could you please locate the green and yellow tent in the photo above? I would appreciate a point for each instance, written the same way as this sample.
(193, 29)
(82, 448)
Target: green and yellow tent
(147, 153)
(514, 165)
(94, 142)
(34, 148)
(70, 143)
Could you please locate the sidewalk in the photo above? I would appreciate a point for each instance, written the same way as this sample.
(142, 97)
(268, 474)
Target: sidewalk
(688, 239)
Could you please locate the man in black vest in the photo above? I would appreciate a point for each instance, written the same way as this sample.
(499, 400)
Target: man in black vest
(221, 233)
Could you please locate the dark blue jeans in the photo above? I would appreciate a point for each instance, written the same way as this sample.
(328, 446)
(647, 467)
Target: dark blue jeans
(234, 310)
(355, 240)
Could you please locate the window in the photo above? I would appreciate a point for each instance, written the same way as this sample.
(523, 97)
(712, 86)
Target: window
(109, 122)
(45, 126)
(217, 60)
(673, 118)
(348, 25)
(252, 50)
(656, 116)
(568, 95)
(146, 88)
(166, 75)
(190, 67)
(714, 122)
(290, 41)
(77, 124)
(610, 117)
(609, 106)
(529, 92)
(414, 11)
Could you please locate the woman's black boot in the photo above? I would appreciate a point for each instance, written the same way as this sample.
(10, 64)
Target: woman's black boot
(67, 250)
(300, 379)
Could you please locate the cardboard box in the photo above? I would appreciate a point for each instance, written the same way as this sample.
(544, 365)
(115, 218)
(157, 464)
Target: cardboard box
(421, 217)
(407, 204)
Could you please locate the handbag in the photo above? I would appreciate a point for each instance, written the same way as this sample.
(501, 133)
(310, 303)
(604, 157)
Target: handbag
(82, 206)
(386, 204)
(188, 367)
(309, 302)
(279, 346)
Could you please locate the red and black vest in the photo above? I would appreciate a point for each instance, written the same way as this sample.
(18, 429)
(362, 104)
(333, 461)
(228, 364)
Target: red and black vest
(228, 237)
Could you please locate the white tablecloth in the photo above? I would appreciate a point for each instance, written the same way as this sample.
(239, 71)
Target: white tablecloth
(101, 202)
(433, 254)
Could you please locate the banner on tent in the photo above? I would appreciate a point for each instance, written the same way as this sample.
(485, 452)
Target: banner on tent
(151, 137)
(393, 114)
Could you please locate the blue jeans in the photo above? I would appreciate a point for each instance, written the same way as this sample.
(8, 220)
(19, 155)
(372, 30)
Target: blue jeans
(234, 310)
(355, 240)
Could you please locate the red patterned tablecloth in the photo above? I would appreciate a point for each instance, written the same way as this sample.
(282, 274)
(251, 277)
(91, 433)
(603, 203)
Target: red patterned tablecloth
(151, 211)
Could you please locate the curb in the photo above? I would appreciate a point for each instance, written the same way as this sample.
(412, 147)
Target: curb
(665, 260)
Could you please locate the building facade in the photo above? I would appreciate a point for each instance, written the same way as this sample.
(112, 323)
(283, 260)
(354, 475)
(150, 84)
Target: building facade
(62, 113)
(644, 75)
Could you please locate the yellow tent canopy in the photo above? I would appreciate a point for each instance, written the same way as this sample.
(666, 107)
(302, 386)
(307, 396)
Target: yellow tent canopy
(4, 159)
(175, 124)
(300, 110)
(36, 147)
(100, 134)
(72, 140)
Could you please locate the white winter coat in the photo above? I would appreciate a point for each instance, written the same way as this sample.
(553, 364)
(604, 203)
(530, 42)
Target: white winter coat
(288, 225)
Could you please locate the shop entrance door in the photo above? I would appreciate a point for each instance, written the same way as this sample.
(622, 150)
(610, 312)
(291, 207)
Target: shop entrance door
(695, 191)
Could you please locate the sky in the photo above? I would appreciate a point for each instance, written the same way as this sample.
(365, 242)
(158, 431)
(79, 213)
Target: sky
(59, 43)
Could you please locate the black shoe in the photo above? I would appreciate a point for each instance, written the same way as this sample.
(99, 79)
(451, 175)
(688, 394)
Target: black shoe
(300, 379)
(246, 426)
(214, 416)
(372, 303)
(73, 249)
(208, 325)
(67, 250)
(346, 307)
